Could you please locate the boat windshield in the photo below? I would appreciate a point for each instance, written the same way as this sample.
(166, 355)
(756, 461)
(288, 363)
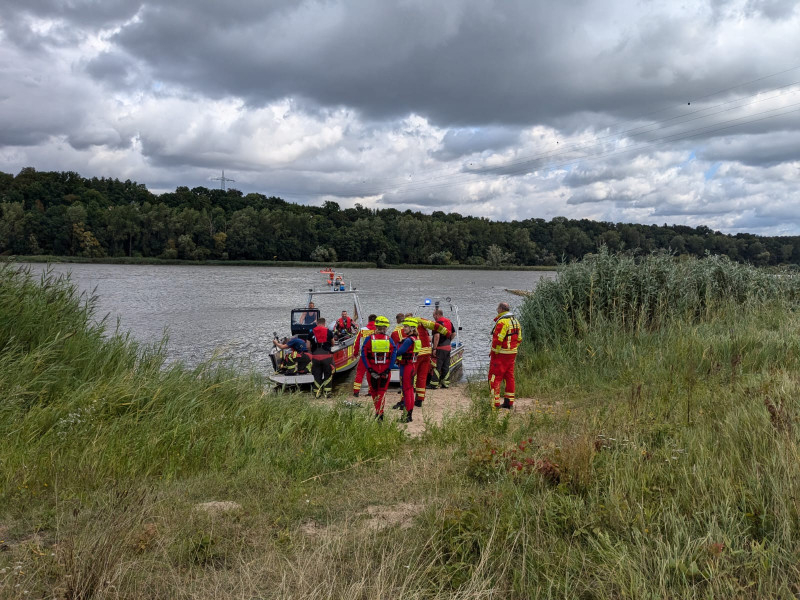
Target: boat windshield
(304, 320)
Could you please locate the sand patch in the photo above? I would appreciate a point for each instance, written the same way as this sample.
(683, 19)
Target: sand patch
(445, 402)
(217, 507)
(382, 517)
(438, 404)
(378, 518)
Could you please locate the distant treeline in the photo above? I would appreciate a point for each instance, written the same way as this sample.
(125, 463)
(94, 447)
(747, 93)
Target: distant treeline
(51, 213)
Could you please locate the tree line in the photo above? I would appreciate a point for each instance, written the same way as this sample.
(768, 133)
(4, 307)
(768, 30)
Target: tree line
(64, 214)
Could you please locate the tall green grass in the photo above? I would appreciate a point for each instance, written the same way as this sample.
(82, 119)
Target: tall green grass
(83, 405)
(635, 294)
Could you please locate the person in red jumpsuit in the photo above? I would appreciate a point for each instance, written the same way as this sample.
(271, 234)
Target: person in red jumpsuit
(360, 369)
(506, 337)
(378, 356)
(424, 357)
(407, 358)
(397, 338)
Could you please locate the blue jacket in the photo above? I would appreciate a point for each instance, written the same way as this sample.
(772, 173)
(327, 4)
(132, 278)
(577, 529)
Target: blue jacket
(297, 345)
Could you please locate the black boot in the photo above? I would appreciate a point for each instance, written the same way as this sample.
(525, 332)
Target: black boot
(417, 402)
(379, 417)
(406, 418)
(506, 404)
(399, 406)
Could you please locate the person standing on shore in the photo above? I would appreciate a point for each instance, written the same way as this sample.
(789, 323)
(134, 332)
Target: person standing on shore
(377, 357)
(407, 358)
(425, 355)
(360, 368)
(322, 359)
(506, 337)
(440, 373)
(397, 332)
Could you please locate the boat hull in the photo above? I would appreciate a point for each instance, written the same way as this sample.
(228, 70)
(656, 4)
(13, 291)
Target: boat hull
(345, 357)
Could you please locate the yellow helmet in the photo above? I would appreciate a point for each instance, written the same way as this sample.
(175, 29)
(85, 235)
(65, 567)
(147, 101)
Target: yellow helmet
(410, 322)
(381, 321)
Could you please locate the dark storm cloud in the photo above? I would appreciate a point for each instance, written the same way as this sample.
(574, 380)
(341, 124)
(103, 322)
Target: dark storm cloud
(456, 62)
(755, 150)
(83, 13)
(111, 67)
(463, 142)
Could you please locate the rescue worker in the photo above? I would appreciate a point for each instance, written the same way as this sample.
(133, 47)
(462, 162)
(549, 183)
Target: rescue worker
(407, 358)
(397, 338)
(397, 332)
(378, 356)
(345, 325)
(440, 373)
(322, 358)
(506, 337)
(424, 357)
(296, 360)
(360, 369)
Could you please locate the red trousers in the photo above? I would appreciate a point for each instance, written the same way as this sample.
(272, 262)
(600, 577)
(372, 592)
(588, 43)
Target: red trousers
(377, 389)
(501, 368)
(423, 368)
(407, 381)
(361, 370)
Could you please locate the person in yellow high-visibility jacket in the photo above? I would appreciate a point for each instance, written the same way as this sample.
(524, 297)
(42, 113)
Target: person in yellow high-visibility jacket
(506, 337)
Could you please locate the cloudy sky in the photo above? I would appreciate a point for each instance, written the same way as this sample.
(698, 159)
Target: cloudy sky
(621, 110)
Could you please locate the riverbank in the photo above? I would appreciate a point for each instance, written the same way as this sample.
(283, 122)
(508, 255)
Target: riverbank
(652, 457)
(124, 260)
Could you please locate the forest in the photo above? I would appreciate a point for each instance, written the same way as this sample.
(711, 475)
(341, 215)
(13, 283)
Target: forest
(65, 214)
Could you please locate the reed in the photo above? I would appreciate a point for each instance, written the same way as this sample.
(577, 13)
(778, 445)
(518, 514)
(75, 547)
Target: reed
(635, 294)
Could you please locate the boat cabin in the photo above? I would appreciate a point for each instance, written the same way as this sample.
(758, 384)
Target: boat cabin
(303, 321)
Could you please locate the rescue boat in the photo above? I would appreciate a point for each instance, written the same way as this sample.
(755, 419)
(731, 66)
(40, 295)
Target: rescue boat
(450, 310)
(302, 320)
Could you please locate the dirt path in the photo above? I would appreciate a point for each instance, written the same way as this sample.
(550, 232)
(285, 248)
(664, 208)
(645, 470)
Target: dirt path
(438, 403)
(441, 403)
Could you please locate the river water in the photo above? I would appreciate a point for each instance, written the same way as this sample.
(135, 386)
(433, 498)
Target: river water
(234, 310)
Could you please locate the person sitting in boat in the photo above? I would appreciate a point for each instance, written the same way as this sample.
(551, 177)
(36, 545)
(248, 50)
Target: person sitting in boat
(297, 359)
(310, 317)
(345, 326)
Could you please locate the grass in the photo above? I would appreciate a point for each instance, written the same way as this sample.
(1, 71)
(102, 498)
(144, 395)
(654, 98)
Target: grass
(652, 461)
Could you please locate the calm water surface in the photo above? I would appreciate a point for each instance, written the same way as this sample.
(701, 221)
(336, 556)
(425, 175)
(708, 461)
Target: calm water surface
(235, 310)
